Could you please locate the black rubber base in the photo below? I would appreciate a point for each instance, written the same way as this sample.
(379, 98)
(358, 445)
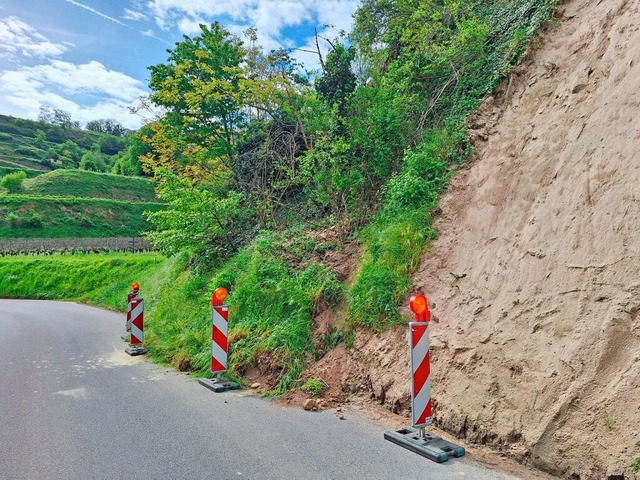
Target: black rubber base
(133, 351)
(430, 446)
(218, 385)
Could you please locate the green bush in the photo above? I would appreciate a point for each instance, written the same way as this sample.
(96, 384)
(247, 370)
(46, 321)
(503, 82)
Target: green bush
(13, 181)
(34, 220)
(13, 219)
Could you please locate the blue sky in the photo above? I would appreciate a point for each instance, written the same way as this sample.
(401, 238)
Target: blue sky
(90, 57)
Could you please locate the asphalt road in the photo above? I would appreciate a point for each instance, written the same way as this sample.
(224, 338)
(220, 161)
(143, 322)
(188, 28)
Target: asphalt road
(74, 406)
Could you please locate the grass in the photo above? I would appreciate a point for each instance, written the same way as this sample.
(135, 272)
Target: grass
(79, 183)
(94, 279)
(608, 420)
(4, 170)
(271, 302)
(68, 217)
(314, 387)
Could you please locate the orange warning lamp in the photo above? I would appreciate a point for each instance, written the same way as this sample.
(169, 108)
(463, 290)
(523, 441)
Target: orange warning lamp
(420, 307)
(135, 286)
(218, 296)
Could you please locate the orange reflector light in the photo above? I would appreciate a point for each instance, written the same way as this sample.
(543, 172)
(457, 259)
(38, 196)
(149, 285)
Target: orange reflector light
(420, 307)
(218, 296)
(135, 286)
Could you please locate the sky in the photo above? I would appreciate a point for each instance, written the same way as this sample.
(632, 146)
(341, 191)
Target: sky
(90, 57)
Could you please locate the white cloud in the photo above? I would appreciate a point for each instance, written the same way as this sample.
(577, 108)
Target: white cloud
(133, 15)
(53, 84)
(19, 39)
(270, 17)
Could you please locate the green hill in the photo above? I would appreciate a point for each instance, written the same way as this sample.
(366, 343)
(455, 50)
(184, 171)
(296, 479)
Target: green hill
(79, 183)
(29, 216)
(42, 146)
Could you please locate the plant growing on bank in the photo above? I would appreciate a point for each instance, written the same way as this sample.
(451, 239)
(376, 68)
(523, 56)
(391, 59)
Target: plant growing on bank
(314, 387)
(13, 181)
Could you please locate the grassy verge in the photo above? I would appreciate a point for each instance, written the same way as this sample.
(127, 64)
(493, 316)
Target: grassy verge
(94, 279)
(271, 303)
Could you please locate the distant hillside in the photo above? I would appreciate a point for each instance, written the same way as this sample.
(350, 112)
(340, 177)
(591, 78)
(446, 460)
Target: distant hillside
(28, 216)
(78, 183)
(37, 146)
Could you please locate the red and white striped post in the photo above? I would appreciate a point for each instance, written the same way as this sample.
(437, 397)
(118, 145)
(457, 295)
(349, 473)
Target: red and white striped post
(130, 296)
(136, 323)
(420, 369)
(219, 343)
(425, 444)
(219, 333)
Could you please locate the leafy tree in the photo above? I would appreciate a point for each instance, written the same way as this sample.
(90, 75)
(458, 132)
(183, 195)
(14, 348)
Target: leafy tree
(110, 126)
(57, 117)
(338, 80)
(128, 161)
(110, 145)
(200, 89)
(89, 162)
(68, 154)
(202, 220)
(41, 139)
(13, 181)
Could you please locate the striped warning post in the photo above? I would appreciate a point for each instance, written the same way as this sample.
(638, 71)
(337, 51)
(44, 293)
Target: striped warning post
(219, 339)
(137, 321)
(130, 297)
(420, 370)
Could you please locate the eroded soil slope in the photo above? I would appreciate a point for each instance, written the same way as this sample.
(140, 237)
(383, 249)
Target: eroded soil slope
(535, 277)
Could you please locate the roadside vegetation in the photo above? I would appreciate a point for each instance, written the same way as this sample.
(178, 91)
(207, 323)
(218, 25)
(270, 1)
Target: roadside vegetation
(254, 161)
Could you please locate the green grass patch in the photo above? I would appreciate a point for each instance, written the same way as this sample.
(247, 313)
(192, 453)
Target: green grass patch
(68, 217)
(80, 183)
(395, 239)
(272, 302)
(31, 173)
(97, 279)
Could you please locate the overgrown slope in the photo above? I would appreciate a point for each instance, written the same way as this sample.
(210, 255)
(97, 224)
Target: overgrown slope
(534, 277)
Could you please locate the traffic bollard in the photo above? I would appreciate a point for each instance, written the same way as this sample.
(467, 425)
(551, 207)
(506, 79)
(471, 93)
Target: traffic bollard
(219, 344)
(416, 438)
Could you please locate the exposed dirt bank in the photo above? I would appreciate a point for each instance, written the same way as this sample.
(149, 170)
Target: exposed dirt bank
(534, 281)
(538, 347)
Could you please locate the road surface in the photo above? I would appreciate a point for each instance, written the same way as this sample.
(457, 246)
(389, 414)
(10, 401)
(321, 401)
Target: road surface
(74, 406)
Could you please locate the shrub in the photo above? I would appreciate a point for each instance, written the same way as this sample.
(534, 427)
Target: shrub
(35, 220)
(13, 181)
(13, 219)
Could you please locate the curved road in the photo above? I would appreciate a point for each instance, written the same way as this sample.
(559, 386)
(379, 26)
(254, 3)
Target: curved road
(74, 406)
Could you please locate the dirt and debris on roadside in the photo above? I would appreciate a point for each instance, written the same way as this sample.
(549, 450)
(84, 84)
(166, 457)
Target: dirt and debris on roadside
(537, 350)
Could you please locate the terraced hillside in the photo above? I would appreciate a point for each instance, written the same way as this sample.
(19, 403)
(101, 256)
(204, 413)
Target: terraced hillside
(37, 147)
(77, 204)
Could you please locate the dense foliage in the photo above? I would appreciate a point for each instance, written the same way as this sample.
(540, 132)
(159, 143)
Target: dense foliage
(247, 144)
(56, 142)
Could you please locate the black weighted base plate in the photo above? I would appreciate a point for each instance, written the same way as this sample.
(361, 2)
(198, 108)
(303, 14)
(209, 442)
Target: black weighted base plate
(218, 385)
(133, 351)
(430, 446)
